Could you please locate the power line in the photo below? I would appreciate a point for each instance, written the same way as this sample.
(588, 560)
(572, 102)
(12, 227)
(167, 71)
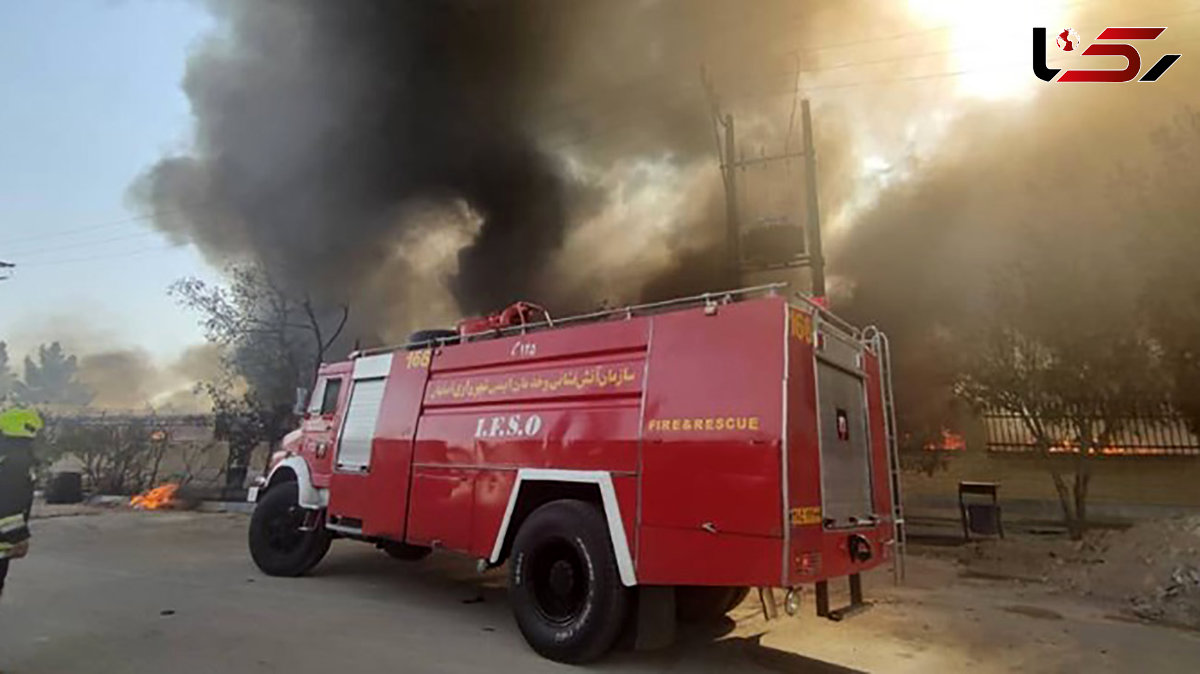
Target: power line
(764, 92)
(153, 215)
(93, 258)
(690, 88)
(87, 228)
(794, 51)
(79, 244)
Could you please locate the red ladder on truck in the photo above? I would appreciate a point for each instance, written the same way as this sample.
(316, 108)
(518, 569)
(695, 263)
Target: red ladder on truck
(899, 536)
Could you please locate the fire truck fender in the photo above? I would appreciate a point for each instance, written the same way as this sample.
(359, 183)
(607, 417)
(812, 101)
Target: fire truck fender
(608, 497)
(310, 496)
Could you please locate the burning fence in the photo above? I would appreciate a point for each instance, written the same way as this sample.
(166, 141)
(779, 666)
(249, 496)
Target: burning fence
(950, 441)
(1156, 432)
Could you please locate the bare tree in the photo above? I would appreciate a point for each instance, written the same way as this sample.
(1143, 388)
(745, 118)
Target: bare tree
(194, 457)
(273, 339)
(117, 458)
(320, 343)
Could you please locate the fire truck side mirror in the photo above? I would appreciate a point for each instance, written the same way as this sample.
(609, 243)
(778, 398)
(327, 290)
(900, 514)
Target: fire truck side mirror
(301, 401)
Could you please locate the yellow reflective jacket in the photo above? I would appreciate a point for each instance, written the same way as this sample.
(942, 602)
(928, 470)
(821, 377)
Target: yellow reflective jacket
(16, 486)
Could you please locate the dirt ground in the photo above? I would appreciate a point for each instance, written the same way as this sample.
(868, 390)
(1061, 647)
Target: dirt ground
(1149, 571)
(133, 592)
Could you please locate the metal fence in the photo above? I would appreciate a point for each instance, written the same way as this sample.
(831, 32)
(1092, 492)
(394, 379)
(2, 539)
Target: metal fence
(1155, 432)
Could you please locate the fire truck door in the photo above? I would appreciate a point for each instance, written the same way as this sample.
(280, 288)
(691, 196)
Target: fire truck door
(369, 487)
(320, 421)
(845, 445)
(358, 427)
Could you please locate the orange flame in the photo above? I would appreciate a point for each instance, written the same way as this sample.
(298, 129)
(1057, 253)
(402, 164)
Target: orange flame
(155, 499)
(950, 442)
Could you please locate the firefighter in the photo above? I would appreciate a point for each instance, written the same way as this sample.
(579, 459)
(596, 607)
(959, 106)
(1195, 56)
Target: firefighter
(18, 427)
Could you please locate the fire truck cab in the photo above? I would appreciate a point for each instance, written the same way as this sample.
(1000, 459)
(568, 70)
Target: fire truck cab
(680, 452)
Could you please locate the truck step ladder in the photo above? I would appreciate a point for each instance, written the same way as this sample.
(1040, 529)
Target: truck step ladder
(856, 605)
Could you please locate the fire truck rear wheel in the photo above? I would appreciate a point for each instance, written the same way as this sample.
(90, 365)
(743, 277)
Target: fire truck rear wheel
(698, 604)
(564, 586)
(277, 544)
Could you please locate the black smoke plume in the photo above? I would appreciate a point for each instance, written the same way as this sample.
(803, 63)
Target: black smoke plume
(316, 120)
(322, 127)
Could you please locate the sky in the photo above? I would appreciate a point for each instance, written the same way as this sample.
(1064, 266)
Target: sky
(89, 97)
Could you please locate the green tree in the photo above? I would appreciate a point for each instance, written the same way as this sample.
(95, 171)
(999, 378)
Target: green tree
(1169, 250)
(1060, 347)
(8, 379)
(52, 379)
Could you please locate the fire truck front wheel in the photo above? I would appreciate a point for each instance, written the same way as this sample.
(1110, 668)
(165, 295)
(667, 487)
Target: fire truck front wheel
(278, 544)
(563, 583)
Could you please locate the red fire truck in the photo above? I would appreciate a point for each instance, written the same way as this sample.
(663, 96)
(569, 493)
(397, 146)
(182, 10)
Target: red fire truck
(629, 465)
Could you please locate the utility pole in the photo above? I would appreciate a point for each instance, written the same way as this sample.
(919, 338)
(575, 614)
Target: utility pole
(816, 256)
(813, 256)
(725, 156)
(732, 223)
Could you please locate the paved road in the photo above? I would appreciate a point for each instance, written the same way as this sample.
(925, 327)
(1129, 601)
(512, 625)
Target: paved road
(175, 593)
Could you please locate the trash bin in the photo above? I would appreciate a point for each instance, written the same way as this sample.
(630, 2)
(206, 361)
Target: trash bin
(979, 507)
(65, 488)
(983, 519)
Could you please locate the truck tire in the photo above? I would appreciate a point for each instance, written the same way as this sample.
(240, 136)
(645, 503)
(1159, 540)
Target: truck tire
(405, 552)
(564, 586)
(700, 604)
(277, 544)
(739, 596)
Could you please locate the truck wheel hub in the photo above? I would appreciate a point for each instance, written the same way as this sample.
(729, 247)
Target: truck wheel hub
(283, 530)
(562, 578)
(559, 582)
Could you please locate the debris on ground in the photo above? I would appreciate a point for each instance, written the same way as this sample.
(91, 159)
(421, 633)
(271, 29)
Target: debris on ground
(1154, 566)
(1151, 568)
